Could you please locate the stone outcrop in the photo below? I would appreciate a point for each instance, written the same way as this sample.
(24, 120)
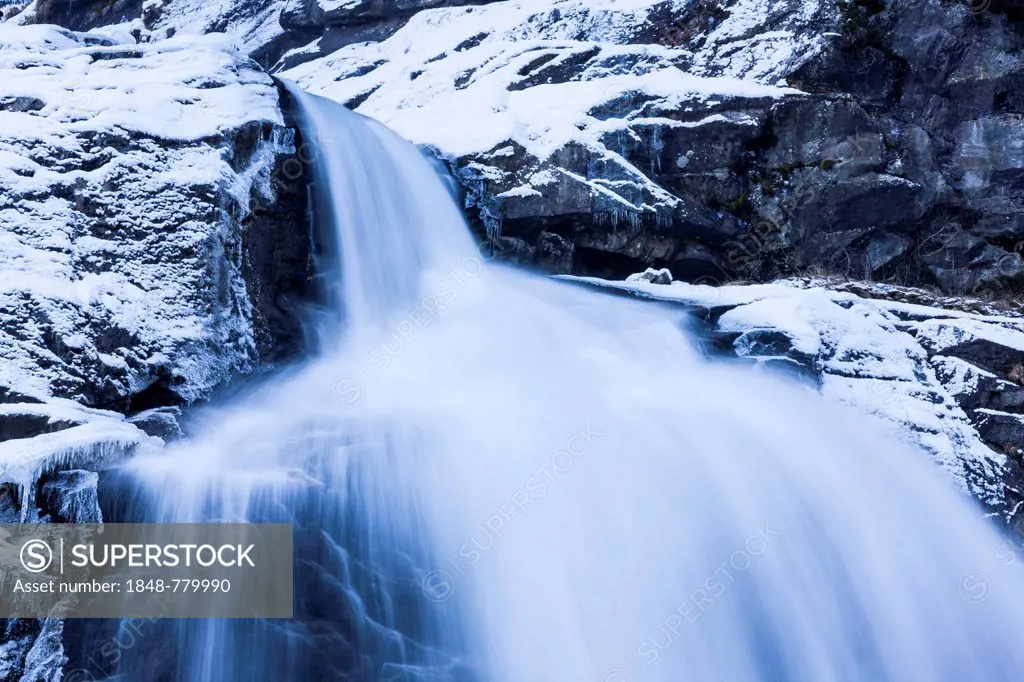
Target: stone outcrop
(154, 247)
(152, 238)
(735, 140)
(265, 29)
(33, 648)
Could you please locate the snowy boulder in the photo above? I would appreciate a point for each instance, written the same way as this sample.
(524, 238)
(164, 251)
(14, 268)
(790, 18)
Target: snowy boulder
(1002, 428)
(143, 241)
(85, 15)
(971, 386)
(161, 422)
(995, 347)
(30, 420)
(325, 13)
(662, 276)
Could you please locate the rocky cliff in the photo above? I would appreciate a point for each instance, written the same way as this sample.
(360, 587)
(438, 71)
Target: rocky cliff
(135, 181)
(731, 139)
(155, 230)
(746, 139)
(153, 244)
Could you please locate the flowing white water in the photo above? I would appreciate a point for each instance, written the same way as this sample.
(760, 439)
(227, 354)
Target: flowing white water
(551, 485)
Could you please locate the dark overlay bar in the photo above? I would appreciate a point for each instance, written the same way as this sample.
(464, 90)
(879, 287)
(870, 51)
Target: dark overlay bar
(144, 570)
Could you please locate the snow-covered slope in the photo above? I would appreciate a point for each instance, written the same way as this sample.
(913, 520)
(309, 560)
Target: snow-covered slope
(525, 70)
(874, 140)
(251, 25)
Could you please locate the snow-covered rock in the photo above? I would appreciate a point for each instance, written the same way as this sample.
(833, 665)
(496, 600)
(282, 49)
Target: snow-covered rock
(130, 185)
(911, 365)
(559, 116)
(733, 139)
(737, 139)
(263, 29)
(251, 25)
(148, 239)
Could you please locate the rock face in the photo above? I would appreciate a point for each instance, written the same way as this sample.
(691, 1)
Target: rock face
(565, 121)
(743, 139)
(33, 649)
(147, 253)
(316, 28)
(154, 246)
(740, 139)
(252, 23)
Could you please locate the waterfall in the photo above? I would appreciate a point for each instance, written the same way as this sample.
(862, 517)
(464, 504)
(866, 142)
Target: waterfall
(494, 476)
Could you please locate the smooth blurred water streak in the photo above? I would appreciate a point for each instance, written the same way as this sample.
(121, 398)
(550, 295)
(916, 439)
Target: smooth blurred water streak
(501, 477)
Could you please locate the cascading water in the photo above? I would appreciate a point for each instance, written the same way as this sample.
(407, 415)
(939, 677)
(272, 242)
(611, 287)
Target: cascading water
(495, 476)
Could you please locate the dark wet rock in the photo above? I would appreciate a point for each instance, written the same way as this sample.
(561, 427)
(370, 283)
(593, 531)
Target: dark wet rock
(161, 422)
(8, 395)
(26, 421)
(717, 343)
(554, 253)
(763, 342)
(1004, 430)
(311, 13)
(21, 104)
(70, 497)
(9, 504)
(83, 15)
(301, 14)
(987, 345)
(971, 386)
(774, 351)
(1010, 398)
